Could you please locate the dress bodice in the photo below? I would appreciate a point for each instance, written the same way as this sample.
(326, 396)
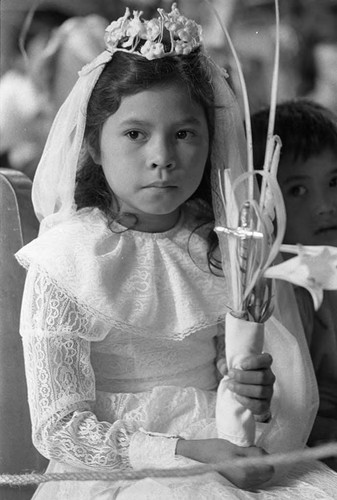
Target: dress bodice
(132, 363)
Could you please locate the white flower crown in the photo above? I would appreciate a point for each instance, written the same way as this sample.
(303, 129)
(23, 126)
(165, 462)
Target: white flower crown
(126, 33)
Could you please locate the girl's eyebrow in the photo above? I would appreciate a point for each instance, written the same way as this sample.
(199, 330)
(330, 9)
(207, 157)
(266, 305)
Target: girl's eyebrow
(189, 120)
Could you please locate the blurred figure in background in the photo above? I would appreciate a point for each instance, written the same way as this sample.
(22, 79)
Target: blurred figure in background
(29, 105)
(252, 28)
(325, 88)
(316, 25)
(20, 103)
(76, 42)
(256, 48)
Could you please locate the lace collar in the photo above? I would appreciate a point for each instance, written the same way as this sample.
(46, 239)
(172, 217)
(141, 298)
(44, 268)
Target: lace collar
(143, 283)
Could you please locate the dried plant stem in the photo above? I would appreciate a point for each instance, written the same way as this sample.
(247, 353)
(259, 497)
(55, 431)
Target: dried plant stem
(272, 110)
(249, 140)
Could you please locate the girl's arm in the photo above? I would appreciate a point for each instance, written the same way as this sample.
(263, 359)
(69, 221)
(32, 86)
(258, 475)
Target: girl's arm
(61, 388)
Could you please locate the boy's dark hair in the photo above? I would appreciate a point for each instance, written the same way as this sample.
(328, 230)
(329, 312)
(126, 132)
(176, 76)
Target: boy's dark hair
(128, 74)
(305, 127)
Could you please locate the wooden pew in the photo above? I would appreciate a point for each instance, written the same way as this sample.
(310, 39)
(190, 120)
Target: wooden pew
(18, 226)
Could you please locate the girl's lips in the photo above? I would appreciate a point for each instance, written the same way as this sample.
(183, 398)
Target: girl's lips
(160, 185)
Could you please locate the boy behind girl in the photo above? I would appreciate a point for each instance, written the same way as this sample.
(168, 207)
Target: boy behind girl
(307, 175)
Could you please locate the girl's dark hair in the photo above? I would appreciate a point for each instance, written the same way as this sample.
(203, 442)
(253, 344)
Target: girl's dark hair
(125, 75)
(128, 74)
(305, 127)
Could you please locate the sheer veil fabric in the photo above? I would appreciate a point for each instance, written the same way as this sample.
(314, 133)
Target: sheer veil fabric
(61, 157)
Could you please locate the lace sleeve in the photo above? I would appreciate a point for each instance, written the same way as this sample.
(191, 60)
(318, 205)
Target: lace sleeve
(61, 382)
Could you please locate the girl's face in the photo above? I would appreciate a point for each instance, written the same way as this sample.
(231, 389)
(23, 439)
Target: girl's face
(153, 154)
(310, 193)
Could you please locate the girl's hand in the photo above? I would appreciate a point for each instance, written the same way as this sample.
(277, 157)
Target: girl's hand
(215, 451)
(253, 383)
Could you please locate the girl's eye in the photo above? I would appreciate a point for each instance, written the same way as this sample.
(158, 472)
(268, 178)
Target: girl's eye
(297, 191)
(134, 135)
(185, 134)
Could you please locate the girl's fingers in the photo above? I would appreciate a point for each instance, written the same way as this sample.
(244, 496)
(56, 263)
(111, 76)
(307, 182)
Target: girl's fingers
(251, 391)
(257, 362)
(256, 406)
(250, 477)
(258, 377)
(222, 366)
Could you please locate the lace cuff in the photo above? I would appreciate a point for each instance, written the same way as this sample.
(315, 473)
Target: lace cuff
(149, 450)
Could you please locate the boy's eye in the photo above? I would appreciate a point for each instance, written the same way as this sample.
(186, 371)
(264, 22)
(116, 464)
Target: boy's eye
(297, 191)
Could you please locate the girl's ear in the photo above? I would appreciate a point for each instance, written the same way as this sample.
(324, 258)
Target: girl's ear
(95, 155)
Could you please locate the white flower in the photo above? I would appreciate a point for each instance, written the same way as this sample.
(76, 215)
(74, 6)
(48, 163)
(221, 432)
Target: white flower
(314, 268)
(134, 28)
(116, 31)
(153, 30)
(152, 50)
(126, 33)
(135, 25)
(182, 47)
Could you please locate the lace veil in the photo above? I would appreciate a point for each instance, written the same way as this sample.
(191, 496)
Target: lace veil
(54, 182)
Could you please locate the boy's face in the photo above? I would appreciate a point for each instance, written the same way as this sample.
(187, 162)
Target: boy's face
(310, 194)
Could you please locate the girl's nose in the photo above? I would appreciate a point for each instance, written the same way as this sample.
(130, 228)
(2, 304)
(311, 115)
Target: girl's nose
(163, 165)
(162, 155)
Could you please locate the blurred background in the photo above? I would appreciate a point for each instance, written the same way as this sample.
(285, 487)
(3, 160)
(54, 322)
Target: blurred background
(62, 35)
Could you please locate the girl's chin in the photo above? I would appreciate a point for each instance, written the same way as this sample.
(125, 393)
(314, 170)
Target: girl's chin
(150, 220)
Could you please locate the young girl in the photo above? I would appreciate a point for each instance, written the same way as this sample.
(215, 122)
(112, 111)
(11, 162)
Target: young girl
(124, 303)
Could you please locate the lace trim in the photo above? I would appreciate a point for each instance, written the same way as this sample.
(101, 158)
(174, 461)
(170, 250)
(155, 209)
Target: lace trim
(97, 323)
(79, 439)
(51, 305)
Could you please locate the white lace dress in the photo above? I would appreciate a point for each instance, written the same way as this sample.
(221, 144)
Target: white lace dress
(119, 331)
